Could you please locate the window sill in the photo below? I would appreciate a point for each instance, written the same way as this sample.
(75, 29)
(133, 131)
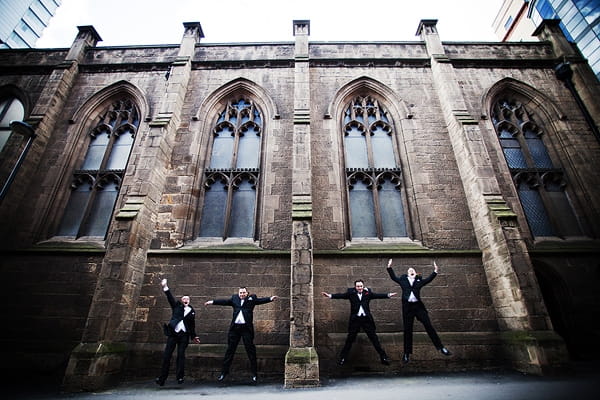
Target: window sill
(217, 242)
(219, 246)
(70, 244)
(573, 244)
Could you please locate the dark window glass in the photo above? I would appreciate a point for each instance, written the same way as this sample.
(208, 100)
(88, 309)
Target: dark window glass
(538, 219)
(540, 184)
(229, 205)
(76, 208)
(101, 209)
(540, 156)
(96, 183)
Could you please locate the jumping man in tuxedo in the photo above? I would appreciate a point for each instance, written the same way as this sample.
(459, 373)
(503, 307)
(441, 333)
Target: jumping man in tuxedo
(180, 329)
(241, 328)
(413, 307)
(360, 317)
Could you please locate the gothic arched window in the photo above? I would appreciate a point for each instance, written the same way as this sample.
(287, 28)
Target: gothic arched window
(96, 183)
(540, 182)
(11, 109)
(373, 175)
(232, 175)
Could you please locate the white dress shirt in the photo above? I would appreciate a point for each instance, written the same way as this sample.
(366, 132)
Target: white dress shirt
(240, 317)
(412, 298)
(361, 312)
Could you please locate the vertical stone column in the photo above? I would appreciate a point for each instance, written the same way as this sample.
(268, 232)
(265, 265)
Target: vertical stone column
(98, 361)
(301, 360)
(515, 293)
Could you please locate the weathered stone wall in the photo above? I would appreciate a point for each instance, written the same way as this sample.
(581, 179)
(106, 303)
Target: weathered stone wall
(206, 276)
(464, 318)
(45, 303)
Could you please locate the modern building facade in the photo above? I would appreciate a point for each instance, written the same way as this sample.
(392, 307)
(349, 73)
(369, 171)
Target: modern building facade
(294, 168)
(579, 21)
(22, 21)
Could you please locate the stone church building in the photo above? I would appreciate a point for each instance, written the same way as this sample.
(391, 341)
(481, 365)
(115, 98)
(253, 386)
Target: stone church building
(294, 168)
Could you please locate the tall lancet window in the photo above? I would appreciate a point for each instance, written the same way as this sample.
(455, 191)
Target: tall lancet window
(96, 183)
(11, 109)
(373, 174)
(540, 182)
(232, 176)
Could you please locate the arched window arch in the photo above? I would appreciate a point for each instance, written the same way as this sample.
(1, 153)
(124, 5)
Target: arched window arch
(11, 109)
(95, 185)
(540, 181)
(232, 174)
(373, 173)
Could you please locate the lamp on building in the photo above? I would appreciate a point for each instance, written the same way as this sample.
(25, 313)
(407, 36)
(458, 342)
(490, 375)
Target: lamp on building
(21, 128)
(564, 73)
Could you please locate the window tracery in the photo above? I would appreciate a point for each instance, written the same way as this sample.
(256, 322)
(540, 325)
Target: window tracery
(232, 176)
(373, 176)
(95, 185)
(540, 182)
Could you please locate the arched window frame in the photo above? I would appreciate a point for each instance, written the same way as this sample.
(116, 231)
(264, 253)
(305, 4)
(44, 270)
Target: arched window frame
(540, 180)
(240, 121)
(8, 96)
(370, 175)
(117, 117)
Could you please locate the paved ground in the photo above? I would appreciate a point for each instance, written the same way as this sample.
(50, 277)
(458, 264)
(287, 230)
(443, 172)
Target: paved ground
(509, 385)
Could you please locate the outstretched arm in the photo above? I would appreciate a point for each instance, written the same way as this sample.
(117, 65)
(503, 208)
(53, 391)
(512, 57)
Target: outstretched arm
(391, 272)
(219, 302)
(168, 293)
(263, 300)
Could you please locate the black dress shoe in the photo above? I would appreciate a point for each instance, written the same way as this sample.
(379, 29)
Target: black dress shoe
(254, 380)
(385, 361)
(405, 358)
(445, 351)
(180, 381)
(221, 377)
(159, 381)
(341, 361)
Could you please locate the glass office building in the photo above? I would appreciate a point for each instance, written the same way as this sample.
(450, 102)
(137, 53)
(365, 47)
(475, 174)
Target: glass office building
(22, 21)
(580, 22)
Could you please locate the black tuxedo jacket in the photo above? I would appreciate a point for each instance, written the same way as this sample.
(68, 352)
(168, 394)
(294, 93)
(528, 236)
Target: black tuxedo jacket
(178, 310)
(405, 284)
(355, 302)
(247, 309)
